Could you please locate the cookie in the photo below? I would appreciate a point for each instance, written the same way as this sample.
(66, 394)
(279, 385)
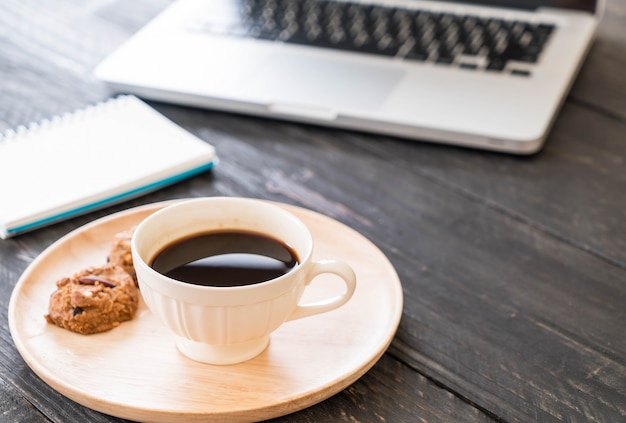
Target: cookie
(120, 253)
(93, 300)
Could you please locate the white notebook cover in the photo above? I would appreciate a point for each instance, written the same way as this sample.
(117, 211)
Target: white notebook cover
(92, 158)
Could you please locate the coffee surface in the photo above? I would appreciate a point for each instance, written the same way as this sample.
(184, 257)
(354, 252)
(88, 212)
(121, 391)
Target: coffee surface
(225, 258)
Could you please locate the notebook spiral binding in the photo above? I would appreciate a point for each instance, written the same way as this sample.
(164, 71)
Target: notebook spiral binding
(16, 134)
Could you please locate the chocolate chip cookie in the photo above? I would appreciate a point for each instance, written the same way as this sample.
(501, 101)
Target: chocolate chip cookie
(93, 300)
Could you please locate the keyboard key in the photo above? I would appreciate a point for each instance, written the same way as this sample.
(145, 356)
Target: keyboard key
(520, 72)
(417, 52)
(496, 64)
(444, 55)
(470, 66)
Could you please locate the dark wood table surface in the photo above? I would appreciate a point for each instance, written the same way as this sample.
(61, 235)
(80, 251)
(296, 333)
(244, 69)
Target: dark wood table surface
(513, 268)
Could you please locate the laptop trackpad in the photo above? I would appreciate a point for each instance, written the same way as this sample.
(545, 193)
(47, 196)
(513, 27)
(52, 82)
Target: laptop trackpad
(292, 79)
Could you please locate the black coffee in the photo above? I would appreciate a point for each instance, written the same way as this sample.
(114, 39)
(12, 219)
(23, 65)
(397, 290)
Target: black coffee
(225, 258)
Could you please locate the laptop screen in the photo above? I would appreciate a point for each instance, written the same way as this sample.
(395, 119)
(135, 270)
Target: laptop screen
(587, 5)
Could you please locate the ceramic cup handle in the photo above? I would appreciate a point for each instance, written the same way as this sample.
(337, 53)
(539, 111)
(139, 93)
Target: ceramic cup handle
(338, 268)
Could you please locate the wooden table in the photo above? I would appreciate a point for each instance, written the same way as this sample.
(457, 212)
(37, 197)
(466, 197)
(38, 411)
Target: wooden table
(513, 268)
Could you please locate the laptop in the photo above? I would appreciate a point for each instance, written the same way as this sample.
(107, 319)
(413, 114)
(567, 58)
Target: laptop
(488, 74)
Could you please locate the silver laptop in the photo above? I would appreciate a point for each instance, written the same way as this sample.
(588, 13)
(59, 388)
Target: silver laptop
(489, 74)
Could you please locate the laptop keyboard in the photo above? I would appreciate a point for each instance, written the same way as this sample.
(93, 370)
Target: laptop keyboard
(468, 42)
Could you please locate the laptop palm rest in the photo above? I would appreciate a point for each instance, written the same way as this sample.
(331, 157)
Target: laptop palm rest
(294, 84)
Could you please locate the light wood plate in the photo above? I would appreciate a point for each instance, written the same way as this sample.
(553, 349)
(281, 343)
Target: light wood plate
(136, 372)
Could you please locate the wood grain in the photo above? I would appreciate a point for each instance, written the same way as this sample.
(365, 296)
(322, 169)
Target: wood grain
(600, 85)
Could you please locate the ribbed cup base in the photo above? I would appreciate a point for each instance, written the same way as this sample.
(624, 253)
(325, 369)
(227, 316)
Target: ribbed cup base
(222, 354)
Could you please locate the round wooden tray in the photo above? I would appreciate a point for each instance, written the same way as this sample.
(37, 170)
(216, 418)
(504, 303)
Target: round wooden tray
(136, 372)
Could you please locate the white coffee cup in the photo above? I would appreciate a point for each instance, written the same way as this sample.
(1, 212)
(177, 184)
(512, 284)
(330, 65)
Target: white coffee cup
(227, 325)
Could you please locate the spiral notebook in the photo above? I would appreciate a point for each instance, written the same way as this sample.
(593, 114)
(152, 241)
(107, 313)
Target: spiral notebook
(94, 157)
